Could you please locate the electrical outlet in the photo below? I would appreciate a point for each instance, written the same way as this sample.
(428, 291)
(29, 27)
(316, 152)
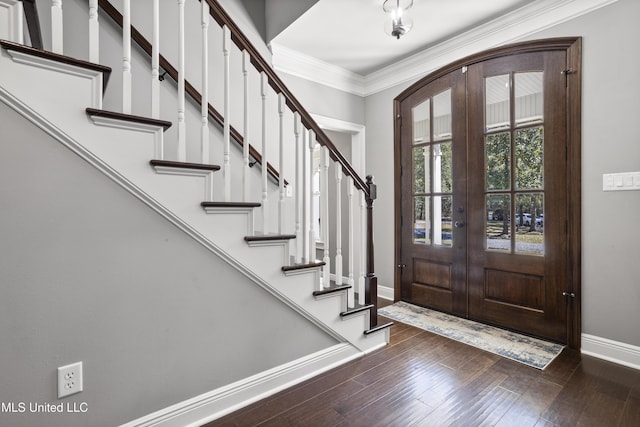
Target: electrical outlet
(69, 379)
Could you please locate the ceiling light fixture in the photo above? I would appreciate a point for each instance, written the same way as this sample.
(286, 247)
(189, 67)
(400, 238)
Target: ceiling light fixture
(399, 22)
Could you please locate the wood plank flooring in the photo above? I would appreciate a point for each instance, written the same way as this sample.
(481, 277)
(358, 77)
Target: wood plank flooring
(423, 379)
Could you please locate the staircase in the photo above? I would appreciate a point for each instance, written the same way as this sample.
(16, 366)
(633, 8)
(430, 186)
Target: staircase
(272, 240)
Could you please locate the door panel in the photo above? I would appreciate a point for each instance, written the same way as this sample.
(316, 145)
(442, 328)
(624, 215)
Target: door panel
(434, 250)
(483, 199)
(516, 278)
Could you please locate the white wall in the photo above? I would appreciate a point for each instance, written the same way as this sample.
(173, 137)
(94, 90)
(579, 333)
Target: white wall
(610, 143)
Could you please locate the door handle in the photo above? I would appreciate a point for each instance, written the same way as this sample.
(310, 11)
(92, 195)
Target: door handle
(402, 265)
(459, 224)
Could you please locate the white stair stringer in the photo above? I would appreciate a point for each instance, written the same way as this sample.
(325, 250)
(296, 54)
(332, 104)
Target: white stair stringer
(56, 102)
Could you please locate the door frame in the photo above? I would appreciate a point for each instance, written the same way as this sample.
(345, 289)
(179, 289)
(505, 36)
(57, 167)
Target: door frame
(573, 48)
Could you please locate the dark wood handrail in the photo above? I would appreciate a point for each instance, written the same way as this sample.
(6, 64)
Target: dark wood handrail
(145, 45)
(222, 18)
(33, 23)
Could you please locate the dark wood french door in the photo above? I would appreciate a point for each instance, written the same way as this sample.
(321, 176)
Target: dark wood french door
(484, 192)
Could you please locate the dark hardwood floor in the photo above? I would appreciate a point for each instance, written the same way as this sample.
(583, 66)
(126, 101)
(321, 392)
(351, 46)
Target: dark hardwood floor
(423, 379)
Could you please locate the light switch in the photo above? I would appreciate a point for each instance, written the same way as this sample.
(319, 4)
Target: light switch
(617, 181)
(621, 181)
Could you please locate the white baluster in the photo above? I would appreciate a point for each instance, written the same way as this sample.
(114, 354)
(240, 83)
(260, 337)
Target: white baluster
(305, 199)
(351, 293)
(324, 215)
(226, 46)
(56, 27)
(338, 224)
(94, 31)
(16, 24)
(204, 105)
(246, 61)
(298, 186)
(281, 106)
(155, 61)
(363, 247)
(312, 223)
(182, 126)
(126, 56)
(264, 83)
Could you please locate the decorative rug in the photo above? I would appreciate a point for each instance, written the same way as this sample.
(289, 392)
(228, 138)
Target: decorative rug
(521, 348)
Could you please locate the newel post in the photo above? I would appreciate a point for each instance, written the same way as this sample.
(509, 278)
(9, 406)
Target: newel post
(371, 281)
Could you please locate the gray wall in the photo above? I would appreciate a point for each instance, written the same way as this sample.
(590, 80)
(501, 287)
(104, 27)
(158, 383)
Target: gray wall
(326, 101)
(89, 273)
(280, 14)
(610, 143)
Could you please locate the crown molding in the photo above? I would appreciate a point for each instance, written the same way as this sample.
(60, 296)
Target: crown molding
(304, 66)
(516, 25)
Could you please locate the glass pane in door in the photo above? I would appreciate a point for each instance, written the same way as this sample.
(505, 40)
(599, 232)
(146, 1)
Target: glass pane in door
(422, 122)
(442, 115)
(442, 213)
(498, 106)
(529, 158)
(498, 229)
(498, 161)
(421, 220)
(529, 223)
(528, 97)
(421, 169)
(442, 173)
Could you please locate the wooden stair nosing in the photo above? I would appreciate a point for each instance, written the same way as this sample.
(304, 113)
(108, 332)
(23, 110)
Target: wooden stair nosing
(332, 290)
(230, 204)
(183, 165)
(356, 310)
(128, 118)
(269, 237)
(106, 71)
(295, 267)
(378, 328)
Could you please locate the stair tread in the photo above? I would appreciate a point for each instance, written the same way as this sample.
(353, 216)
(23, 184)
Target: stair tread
(269, 237)
(357, 309)
(303, 266)
(58, 58)
(378, 328)
(331, 290)
(230, 204)
(128, 117)
(184, 165)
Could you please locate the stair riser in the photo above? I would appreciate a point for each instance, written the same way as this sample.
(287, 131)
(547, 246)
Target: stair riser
(80, 88)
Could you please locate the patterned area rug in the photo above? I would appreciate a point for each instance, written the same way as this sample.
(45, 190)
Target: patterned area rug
(521, 348)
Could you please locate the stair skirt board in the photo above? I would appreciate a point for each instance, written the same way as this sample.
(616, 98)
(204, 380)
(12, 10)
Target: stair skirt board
(224, 400)
(78, 149)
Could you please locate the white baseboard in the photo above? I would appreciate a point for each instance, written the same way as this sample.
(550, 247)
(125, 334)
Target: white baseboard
(613, 351)
(212, 405)
(385, 292)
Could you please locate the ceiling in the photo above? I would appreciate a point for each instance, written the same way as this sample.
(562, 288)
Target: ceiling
(350, 33)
